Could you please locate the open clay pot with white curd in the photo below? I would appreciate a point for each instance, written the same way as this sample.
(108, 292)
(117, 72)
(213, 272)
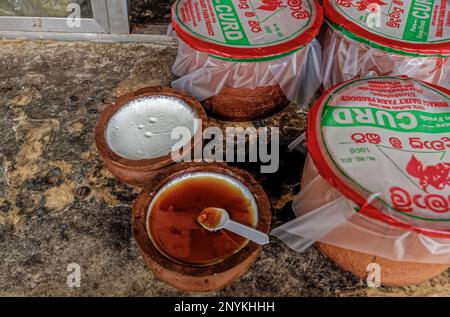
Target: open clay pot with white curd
(134, 135)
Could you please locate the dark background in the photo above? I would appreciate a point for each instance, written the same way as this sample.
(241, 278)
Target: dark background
(141, 11)
(150, 11)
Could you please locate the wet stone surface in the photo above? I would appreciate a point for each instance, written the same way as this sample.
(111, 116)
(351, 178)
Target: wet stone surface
(59, 205)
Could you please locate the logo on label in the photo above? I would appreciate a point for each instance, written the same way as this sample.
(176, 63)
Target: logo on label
(362, 5)
(271, 5)
(404, 201)
(296, 6)
(297, 11)
(437, 176)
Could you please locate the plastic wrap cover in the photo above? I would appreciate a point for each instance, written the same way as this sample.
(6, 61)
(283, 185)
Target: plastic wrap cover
(203, 76)
(345, 59)
(330, 218)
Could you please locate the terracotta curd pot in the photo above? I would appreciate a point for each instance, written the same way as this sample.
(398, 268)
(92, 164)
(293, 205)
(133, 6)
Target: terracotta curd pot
(246, 63)
(376, 184)
(133, 135)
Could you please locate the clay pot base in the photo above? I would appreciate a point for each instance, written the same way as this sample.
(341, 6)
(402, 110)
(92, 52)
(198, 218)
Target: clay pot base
(243, 104)
(140, 172)
(196, 278)
(393, 273)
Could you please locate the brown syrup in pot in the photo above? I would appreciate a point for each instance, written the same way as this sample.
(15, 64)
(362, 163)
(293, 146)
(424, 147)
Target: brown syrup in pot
(173, 220)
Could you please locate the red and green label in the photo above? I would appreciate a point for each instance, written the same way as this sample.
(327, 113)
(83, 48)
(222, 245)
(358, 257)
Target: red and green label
(413, 21)
(230, 24)
(389, 139)
(419, 20)
(401, 121)
(248, 24)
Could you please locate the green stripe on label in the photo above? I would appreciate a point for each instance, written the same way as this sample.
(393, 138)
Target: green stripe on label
(419, 20)
(402, 121)
(230, 23)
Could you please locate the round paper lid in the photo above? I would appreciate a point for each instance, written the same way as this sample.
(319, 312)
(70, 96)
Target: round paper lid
(246, 29)
(384, 142)
(416, 26)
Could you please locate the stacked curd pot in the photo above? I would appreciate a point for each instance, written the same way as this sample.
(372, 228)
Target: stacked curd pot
(375, 188)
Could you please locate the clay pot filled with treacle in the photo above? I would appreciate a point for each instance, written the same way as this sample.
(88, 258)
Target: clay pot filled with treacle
(133, 135)
(176, 247)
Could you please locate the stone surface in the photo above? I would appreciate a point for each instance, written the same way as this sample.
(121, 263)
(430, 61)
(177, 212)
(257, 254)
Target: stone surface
(58, 205)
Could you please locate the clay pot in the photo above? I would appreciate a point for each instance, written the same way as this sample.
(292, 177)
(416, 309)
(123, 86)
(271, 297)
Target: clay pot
(341, 204)
(141, 172)
(243, 104)
(393, 273)
(189, 277)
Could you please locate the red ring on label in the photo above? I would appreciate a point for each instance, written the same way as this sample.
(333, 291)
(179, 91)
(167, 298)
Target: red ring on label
(334, 16)
(257, 52)
(326, 170)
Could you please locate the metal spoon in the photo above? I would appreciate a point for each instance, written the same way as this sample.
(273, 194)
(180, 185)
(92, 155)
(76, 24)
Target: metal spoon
(221, 220)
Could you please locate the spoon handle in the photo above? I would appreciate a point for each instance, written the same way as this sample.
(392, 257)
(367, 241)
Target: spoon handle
(247, 232)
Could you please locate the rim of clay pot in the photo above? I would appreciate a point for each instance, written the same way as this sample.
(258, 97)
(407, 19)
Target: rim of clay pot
(145, 197)
(362, 197)
(155, 163)
(204, 43)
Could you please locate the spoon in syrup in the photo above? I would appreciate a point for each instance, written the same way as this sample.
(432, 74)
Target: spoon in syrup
(214, 219)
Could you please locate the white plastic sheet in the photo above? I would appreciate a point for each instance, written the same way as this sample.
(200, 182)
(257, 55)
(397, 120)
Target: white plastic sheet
(345, 59)
(325, 215)
(204, 76)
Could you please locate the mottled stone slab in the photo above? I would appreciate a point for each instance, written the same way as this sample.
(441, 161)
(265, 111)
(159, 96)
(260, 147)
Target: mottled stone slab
(58, 205)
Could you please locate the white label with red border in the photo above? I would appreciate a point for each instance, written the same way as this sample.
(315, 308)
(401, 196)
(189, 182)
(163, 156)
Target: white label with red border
(391, 139)
(413, 21)
(244, 23)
